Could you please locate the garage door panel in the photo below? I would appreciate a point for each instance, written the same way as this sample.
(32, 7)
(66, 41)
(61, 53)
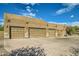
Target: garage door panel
(60, 33)
(17, 32)
(51, 33)
(37, 32)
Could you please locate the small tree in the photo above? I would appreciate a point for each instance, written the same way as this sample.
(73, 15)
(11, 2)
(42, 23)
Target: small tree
(1, 28)
(68, 31)
(71, 30)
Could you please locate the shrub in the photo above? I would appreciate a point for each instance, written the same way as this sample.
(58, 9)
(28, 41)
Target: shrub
(1, 28)
(33, 51)
(74, 51)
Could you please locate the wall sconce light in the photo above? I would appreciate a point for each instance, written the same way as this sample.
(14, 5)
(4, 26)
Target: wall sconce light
(27, 22)
(8, 20)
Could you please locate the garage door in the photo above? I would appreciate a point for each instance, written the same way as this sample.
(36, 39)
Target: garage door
(37, 32)
(52, 32)
(17, 32)
(60, 33)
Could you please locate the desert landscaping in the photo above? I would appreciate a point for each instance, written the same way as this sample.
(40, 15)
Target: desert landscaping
(67, 46)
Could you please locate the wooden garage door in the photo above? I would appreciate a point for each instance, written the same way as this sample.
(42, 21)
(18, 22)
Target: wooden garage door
(17, 32)
(37, 32)
(52, 32)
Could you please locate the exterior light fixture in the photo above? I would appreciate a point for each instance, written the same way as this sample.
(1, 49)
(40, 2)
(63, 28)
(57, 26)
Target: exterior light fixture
(8, 20)
(27, 22)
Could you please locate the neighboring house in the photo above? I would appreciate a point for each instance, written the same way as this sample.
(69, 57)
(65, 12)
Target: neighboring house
(17, 27)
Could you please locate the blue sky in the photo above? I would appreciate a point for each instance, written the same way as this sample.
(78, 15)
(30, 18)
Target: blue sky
(62, 13)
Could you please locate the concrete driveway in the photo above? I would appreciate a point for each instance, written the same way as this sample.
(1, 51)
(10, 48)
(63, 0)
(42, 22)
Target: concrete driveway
(52, 46)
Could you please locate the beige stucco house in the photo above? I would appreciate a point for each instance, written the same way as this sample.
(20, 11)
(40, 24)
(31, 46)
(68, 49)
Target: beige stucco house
(17, 27)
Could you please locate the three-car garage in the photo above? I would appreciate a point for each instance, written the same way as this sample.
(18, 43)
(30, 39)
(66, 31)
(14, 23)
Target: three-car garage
(20, 27)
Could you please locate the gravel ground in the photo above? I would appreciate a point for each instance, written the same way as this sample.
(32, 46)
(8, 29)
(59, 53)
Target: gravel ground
(52, 46)
(2, 50)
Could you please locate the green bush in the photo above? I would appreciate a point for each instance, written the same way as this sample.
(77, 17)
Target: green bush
(74, 51)
(1, 28)
(71, 30)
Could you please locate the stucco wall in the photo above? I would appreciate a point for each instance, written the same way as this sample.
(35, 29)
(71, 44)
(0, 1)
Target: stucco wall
(1, 34)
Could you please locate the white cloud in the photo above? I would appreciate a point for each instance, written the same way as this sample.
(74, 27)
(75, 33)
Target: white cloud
(57, 23)
(72, 16)
(32, 14)
(70, 4)
(29, 10)
(32, 4)
(24, 14)
(28, 14)
(1, 22)
(69, 7)
(51, 22)
(28, 7)
(76, 23)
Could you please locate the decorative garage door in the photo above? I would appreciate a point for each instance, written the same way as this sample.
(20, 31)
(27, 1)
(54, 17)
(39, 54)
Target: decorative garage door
(17, 32)
(37, 32)
(52, 32)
